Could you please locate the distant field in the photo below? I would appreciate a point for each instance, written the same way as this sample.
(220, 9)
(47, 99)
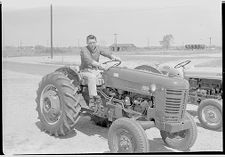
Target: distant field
(213, 63)
(199, 58)
(170, 52)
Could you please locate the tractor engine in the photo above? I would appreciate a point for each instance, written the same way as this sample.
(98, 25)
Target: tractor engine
(137, 102)
(141, 103)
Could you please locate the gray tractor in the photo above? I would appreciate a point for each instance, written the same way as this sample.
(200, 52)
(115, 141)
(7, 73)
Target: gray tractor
(131, 102)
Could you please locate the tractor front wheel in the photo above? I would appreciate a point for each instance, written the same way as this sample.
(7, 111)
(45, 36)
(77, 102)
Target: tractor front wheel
(127, 136)
(182, 140)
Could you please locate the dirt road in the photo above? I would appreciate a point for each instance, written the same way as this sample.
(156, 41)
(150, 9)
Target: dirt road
(21, 133)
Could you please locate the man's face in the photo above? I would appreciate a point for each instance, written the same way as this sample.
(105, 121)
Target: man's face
(91, 43)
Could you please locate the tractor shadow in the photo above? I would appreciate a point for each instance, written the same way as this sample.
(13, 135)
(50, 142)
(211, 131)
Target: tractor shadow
(157, 145)
(88, 127)
(70, 135)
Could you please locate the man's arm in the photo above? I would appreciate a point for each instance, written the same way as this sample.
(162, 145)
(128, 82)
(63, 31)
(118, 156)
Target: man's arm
(106, 54)
(109, 55)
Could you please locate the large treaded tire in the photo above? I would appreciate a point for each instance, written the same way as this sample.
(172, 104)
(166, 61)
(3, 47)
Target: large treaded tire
(69, 104)
(187, 142)
(216, 109)
(129, 128)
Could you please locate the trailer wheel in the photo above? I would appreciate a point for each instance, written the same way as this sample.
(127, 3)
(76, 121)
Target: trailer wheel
(57, 104)
(210, 114)
(127, 136)
(182, 140)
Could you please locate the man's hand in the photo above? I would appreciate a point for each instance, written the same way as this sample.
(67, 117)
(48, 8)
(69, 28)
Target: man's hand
(116, 58)
(103, 67)
(99, 65)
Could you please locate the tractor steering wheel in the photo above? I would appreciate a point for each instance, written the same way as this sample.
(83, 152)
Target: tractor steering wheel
(182, 64)
(118, 62)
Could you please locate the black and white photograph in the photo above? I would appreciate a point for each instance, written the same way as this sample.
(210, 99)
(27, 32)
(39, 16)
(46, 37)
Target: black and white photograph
(111, 77)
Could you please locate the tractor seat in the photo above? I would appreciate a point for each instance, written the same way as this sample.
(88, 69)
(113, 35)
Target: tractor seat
(99, 81)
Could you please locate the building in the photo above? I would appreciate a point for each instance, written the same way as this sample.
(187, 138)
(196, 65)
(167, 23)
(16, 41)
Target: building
(122, 47)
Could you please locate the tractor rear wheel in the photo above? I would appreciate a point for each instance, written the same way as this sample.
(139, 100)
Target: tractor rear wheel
(210, 114)
(182, 140)
(57, 104)
(127, 136)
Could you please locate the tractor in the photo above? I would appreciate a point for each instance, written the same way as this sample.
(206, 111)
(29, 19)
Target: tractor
(131, 102)
(205, 89)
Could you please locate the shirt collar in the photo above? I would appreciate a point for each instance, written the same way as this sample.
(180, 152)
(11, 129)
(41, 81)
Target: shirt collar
(91, 50)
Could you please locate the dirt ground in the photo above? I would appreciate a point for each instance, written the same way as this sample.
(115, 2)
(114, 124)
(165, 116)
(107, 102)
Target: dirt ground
(22, 134)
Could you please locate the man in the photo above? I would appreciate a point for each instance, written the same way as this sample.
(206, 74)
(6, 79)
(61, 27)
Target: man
(90, 66)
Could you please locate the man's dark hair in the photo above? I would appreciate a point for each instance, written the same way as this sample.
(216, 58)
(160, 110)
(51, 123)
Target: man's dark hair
(91, 37)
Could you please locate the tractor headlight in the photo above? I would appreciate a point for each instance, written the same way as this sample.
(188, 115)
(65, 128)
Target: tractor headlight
(152, 87)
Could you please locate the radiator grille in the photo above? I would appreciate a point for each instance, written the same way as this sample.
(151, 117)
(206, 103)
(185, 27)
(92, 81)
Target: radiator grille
(174, 105)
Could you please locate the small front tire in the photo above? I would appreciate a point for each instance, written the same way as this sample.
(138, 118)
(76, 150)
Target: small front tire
(182, 140)
(127, 136)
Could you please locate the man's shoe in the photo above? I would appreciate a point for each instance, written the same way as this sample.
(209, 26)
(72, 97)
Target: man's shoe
(95, 103)
(92, 103)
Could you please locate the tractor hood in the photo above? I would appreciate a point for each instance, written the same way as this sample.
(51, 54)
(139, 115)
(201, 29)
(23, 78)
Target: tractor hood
(123, 77)
(206, 73)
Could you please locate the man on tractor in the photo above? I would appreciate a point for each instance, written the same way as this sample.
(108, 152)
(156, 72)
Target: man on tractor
(90, 66)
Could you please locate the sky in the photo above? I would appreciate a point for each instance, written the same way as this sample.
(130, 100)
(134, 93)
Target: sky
(141, 22)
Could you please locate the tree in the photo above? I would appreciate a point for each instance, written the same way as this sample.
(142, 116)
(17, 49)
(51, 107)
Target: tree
(167, 40)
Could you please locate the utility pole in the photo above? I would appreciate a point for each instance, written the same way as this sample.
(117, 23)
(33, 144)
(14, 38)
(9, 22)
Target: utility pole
(115, 41)
(210, 41)
(51, 35)
(20, 47)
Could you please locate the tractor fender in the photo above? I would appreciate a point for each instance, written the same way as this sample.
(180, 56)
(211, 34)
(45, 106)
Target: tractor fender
(70, 72)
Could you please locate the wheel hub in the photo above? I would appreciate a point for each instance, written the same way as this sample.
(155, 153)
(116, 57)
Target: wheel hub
(125, 143)
(211, 115)
(47, 104)
(50, 104)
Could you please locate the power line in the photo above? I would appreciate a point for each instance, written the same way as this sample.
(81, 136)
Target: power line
(210, 41)
(115, 38)
(115, 41)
